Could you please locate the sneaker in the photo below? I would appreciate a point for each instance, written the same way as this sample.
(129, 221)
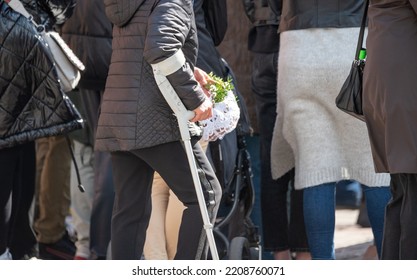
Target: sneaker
(32, 254)
(6, 255)
(63, 249)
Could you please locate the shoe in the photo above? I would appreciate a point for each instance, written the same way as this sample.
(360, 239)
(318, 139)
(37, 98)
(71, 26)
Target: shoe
(79, 258)
(370, 253)
(63, 249)
(96, 257)
(6, 255)
(32, 254)
(363, 219)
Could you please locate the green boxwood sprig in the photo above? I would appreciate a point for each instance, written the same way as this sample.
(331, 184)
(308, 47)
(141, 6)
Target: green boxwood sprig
(219, 88)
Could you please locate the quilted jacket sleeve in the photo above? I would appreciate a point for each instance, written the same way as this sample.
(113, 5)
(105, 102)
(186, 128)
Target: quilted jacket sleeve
(170, 28)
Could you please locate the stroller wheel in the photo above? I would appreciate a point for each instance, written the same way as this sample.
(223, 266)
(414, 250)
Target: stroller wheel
(239, 249)
(255, 253)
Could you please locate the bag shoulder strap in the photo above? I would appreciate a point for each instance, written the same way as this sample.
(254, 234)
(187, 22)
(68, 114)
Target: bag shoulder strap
(362, 30)
(17, 6)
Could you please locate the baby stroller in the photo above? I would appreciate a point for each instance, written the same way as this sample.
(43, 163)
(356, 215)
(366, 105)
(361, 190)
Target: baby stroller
(235, 234)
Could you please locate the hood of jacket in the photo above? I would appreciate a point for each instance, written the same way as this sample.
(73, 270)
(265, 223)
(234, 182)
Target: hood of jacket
(120, 12)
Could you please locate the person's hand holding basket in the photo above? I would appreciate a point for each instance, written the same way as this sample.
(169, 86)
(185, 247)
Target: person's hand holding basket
(226, 111)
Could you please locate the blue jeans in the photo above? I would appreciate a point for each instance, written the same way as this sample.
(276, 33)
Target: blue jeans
(319, 215)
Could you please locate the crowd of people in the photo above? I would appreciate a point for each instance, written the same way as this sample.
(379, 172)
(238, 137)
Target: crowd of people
(118, 134)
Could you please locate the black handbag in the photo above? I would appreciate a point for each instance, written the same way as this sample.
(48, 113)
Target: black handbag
(349, 99)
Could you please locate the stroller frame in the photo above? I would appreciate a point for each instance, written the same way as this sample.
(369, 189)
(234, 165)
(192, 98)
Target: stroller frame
(237, 239)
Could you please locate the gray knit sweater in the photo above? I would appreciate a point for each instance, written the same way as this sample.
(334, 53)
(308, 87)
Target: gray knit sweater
(311, 134)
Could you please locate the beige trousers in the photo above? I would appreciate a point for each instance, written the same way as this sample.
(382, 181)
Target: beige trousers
(54, 169)
(164, 224)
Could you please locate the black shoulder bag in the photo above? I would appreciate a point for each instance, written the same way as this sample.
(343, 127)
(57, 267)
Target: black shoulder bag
(349, 99)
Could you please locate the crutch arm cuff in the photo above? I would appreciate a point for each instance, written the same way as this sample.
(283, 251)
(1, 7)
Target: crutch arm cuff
(170, 65)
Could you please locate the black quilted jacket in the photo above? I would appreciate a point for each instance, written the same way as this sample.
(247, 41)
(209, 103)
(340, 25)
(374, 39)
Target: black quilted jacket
(134, 114)
(32, 104)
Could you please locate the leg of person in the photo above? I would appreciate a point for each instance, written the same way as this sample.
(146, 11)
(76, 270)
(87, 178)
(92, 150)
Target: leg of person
(22, 239)
(408, 241)
(172, 224)
(9, 160)
(81, 202)
(54, 202)
(132, 205)
(273, 192)
(162, 233)
(213, 193)
(363, 218)
(376, 202)
(392, 226)
(319, 217)
(101, 212)
(174, 168)
(297, 235)
(102, 205)
(400, 229)
(155, 247)
(41, 147)
(275, 216)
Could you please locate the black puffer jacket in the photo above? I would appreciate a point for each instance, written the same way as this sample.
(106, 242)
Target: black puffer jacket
(32, 104)
(134, 114)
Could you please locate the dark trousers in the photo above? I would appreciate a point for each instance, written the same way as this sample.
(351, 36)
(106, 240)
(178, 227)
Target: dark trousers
(88, 102)
(17, 188)
(279, 232)
(133, 176)
(400, 231)
(101, 212)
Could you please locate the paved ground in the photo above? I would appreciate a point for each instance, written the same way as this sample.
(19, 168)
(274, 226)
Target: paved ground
(351, 240)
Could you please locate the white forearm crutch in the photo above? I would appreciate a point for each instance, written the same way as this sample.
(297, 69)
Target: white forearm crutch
(161, 70)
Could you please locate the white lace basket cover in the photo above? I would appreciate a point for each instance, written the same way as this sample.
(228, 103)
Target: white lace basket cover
(226, 114)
